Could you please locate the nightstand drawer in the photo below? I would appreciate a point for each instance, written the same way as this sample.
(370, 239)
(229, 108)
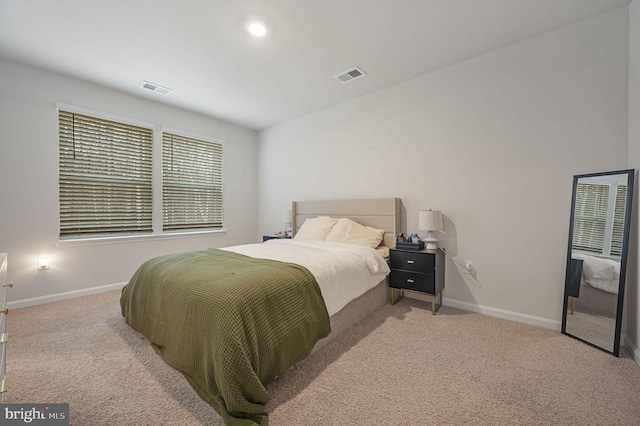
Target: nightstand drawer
(418, 261)
(425, 283)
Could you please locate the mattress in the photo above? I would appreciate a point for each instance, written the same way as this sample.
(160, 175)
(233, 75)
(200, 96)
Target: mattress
(343, 271)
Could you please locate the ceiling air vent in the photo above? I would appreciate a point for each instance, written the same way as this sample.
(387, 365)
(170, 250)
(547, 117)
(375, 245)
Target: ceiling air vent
(156, 88)
(349, 75)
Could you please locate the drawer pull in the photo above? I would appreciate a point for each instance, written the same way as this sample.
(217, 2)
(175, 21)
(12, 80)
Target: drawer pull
(410, 262)
(5, 311)
(9, 285)
(4, 337)
(3, 385)
(409, 280)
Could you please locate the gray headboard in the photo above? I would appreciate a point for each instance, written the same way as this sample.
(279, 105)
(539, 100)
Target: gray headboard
(381, 213)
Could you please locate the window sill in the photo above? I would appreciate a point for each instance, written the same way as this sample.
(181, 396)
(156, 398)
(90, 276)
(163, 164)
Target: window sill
(93, 241)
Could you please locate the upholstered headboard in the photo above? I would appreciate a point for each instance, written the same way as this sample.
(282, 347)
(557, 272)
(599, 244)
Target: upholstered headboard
(381, 213)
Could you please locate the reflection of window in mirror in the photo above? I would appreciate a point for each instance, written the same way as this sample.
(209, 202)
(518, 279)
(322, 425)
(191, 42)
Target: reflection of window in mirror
(599, 215)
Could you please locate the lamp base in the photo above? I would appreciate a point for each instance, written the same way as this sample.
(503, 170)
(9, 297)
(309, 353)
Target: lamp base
(430, 243)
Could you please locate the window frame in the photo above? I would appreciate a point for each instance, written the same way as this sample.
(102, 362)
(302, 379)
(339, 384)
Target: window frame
(157, 233)
(610, 216)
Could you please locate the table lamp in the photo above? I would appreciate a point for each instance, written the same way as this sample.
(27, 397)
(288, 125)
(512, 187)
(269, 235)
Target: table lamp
(430, 221)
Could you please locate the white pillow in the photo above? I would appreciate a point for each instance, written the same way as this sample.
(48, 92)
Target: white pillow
(315, 229)
(350, 232)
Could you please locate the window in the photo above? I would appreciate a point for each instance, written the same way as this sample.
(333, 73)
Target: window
(105, 176)
(191, 183)
(599, 218)
(107, 180)
(618, 220)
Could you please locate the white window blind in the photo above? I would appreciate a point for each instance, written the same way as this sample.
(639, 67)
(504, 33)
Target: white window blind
(105, 176)
(590, 217)
(618, 220)
(191, 183)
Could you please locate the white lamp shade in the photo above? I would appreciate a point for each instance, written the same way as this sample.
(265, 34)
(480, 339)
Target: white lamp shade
(287, 216)
(430, 220)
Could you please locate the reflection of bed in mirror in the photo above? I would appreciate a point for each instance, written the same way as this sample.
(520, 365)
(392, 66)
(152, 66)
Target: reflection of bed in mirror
(598, 287)
(596, 292)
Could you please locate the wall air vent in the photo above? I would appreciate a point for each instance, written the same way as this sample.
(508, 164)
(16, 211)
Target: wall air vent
(349, 75)
(156, 88)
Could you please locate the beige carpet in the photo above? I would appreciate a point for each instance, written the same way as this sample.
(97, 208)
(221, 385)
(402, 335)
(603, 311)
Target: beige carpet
(400, 366)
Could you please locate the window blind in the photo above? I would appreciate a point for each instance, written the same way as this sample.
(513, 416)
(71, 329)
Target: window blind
(590, 217)
(618, 220)
(191, 183)
(105, 176)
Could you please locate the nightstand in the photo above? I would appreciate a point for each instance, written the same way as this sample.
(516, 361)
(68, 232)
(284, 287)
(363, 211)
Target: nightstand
(274, 237)
(419, 271)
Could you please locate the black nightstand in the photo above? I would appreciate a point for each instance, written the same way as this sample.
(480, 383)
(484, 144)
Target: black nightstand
(420, 271)
(274, 237)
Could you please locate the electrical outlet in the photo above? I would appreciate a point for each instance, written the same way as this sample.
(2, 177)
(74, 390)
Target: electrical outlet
(468, 265)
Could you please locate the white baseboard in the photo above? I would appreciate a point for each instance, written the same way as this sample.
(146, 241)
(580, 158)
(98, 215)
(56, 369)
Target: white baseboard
(64, 296)
(633, 351)
(508, 315)
(554, 325)
(498, 313)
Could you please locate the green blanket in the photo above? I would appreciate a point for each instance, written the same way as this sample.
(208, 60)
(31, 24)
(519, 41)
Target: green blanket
(230, 323)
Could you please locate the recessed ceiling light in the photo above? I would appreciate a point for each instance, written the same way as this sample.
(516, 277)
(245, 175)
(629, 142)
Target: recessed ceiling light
(257, 28)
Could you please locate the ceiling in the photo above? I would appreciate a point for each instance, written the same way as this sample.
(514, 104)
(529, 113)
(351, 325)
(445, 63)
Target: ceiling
(201, 50)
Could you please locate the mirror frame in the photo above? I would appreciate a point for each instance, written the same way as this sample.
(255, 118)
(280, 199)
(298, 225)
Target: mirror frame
(623, 259)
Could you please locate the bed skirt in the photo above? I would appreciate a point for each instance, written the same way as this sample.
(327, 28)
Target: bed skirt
(355, 311)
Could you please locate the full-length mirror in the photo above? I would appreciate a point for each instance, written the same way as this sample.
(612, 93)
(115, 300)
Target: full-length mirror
(597, 258)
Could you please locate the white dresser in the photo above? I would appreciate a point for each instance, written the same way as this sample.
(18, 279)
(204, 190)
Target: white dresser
(3, 323)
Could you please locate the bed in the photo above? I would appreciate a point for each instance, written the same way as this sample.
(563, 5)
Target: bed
(271, 306)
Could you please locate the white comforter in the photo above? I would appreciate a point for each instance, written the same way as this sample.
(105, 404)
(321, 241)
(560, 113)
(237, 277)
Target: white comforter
(343, 271)
(599, 272)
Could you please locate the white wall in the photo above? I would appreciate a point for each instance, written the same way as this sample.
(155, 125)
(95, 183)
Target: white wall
(632, 293)
(493, 142)
(29, 183)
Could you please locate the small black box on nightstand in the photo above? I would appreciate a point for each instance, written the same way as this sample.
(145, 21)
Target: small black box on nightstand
(410, 246)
